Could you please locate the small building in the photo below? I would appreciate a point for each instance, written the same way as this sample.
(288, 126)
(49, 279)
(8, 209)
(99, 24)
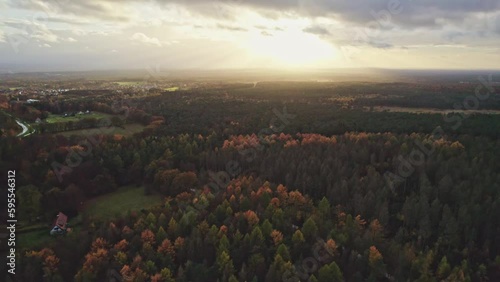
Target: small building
(59, 224)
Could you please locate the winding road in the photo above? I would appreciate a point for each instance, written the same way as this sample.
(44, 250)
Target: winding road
(24, 127)
(27, 129)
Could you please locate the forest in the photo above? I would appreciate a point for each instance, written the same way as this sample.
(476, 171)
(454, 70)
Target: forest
(294, 181)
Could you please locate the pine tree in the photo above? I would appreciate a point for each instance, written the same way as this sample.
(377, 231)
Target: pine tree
(443, 269)
(161, 234)
(310, 230)
(283, 252)
(267, 228)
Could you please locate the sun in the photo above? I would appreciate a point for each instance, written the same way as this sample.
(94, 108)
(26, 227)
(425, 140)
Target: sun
(292, 48)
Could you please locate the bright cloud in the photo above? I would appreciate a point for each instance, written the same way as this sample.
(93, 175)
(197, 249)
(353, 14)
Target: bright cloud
(141, 37)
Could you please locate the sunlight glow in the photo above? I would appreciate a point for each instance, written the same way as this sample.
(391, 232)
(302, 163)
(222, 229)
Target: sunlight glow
(292, 48)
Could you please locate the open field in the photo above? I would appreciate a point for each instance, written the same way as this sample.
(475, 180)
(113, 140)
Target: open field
(120, 202)
(175, 88)
(59, 118)
(430, 110)
(127, 130)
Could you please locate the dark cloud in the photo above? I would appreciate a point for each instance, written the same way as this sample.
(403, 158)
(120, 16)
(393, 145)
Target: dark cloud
(495, 23)
(403, 13)
(318, 30)
(452, 35)
(380, 45)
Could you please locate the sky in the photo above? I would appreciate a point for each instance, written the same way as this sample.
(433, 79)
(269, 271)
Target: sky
(57, 35)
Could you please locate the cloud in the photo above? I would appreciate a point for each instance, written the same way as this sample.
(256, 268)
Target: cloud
(452, 35)
(318, 30)
(105, 25)
(32, 30)
(275, 28)
(493, 23)
(265, 33)
(404, 13)
(141, 37)
(380, 44)
(231, 28)
(66, 20)
(109, 10)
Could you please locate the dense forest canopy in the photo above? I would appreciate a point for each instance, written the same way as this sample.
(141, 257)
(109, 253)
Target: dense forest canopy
(268, 182)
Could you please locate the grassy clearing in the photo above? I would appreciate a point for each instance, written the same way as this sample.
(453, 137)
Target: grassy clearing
(32, 239)
(127, 130)
(171, 89)
(59, 118)
(38, 235)
(120, 202)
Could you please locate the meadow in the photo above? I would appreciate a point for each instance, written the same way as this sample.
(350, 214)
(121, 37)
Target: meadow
(120, 202)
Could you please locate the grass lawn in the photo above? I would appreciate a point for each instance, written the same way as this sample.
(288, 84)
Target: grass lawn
(59, 118)
(33, 239)
(39, 234)
(120, 202)
(127, 130)
(175, 88)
